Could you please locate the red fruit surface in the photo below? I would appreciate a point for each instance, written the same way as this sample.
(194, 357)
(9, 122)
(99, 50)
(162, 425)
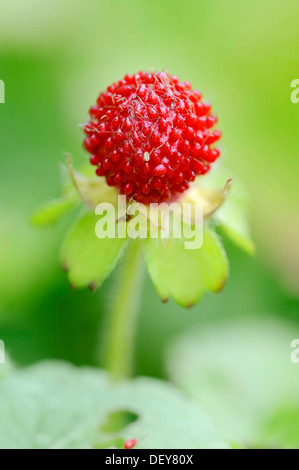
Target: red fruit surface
(130, 443)
(150, 135)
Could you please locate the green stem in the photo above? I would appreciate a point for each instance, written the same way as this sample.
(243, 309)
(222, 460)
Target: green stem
(122, 314)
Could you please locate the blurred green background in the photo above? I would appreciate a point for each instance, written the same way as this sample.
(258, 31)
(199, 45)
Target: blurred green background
(55, 58)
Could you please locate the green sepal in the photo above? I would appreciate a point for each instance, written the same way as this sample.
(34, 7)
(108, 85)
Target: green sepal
(232, 215)
(87, 258)
(185, 274)
(50, 212)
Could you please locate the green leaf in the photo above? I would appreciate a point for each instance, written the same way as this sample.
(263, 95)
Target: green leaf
(51, 212)
(281, 429)
(242, 374)
(54, 405)
(185, 274)
(88, 259)
(232, 216)
(233, 222)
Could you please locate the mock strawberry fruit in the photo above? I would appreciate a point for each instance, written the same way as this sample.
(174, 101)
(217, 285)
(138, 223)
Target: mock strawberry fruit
(150, 135)
(130, 443)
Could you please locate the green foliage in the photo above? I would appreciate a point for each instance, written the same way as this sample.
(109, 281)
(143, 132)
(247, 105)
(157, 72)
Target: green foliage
(232, 216)
(281, 429)
(232, 219)
(51, 71)
(87, 258)
(52, 211)
(241, 373)
(54, 405)
(185, 274)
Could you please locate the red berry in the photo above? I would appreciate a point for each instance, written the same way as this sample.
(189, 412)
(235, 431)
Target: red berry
(95, 159)
(212, 155)
(130, 443)
(115, 156)
(145, 188)
(213, 137)
(178, 178)
(211, 121)
(160, 170)
(149, 135)
(117, 178)
(100, 171)
(128, 188)
(106, 163)
(157, 183)
(197, 166)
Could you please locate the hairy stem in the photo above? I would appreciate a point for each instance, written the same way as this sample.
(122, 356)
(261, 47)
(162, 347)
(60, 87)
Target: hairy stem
(122, 314)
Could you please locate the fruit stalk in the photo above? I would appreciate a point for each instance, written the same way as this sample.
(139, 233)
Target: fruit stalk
(121, 321)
